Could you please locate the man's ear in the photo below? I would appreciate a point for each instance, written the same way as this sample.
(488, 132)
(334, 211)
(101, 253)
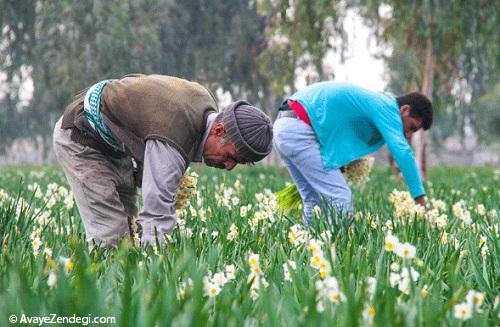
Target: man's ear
(218, 129)
(404, 110)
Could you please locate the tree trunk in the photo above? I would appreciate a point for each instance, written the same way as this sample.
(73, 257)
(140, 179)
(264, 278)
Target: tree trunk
(419, 137)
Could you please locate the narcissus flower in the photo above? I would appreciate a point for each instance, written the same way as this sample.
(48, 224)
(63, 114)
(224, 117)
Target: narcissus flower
(391, 242)
(405, 251)
(233, 233)
(67, 263)
(286, 271)
(52, 280)
(474, 299)
(462, 311)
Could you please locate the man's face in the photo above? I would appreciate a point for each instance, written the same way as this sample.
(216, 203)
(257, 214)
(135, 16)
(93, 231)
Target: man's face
(218, 154)
(410, 124)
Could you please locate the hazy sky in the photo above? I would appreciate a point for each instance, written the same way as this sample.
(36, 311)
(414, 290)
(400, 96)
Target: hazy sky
(360, 66)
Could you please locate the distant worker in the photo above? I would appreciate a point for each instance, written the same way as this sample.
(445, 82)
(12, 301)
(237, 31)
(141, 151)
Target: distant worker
(329, 124)
(161, 123)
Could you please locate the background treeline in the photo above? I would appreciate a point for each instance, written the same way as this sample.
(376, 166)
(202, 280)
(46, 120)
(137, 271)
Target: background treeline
(254, 49)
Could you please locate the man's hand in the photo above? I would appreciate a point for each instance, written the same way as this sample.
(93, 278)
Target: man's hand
(421, 200)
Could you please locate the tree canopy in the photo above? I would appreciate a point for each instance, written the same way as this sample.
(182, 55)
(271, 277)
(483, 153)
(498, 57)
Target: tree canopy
(253, 49)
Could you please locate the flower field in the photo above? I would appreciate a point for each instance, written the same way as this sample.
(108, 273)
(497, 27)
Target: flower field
(236, 260)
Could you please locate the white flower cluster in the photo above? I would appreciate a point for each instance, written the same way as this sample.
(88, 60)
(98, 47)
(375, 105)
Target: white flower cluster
(201, 213)
(134, 227)
(369, 314)
(473, 301)
(493, 214)
(226, 196)
(286, 270)
(404, 279)
(52, 279)
(56, 198)
(403, 250)
(297, 235)
(369, 310)
(64, 261)
(36, 240)
(233, 233)
(244, 210)
(266, 207)
(329, 289)
(184, 286)
(54, 194)
(256, 276)
(4, 196)
(358, 171)
(436, 218)
(407, 275)
(436, 215)
(480, 209)
(213, 284)
(22, 207)
(404, 206)
(186, 189)
(483, 245)
(318, 260)
(183, 229)
(460, 211)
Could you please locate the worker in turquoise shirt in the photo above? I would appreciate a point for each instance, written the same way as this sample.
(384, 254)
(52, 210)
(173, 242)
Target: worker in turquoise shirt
(329, 124)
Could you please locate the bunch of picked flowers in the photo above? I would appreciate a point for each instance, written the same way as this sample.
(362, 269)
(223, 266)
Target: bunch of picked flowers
(358, 171)
(186, 189)
(355, 172)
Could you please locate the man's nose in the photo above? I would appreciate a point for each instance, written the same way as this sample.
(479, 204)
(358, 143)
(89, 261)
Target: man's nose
(229, 164)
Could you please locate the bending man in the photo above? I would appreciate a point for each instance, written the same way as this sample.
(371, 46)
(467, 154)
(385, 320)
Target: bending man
(328, 124)
(146, 129)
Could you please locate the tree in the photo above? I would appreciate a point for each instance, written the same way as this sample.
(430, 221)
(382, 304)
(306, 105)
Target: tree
(448, 50)
(299, 34)
(64, 46)
(216, 43)
(17, 22)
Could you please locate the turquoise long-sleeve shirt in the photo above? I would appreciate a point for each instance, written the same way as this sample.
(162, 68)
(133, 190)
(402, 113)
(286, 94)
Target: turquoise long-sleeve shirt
(351, 122)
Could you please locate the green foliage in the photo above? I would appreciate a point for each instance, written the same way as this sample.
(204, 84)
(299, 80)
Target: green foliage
(488, 115)
(465, 47)
(299, 34)
(65, 46)
(139, 287)
(253, 49)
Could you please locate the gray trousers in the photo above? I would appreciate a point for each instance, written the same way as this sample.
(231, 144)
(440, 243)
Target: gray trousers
(103, 188)
(297, 145)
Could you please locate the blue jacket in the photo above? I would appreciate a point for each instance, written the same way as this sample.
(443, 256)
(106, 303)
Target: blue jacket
(351, 122)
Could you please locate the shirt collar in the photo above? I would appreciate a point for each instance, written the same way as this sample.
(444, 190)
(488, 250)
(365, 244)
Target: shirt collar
(198, 157)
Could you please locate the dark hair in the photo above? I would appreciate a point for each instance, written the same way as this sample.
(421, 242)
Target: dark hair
(420, 107)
